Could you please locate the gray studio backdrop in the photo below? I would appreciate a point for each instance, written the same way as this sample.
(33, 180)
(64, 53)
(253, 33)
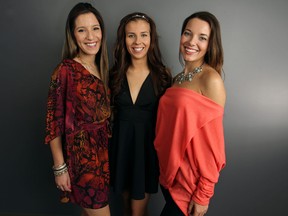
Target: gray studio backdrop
(255, 32)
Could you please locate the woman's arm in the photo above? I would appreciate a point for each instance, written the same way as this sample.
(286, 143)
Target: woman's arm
(63, 180)
(212, 86)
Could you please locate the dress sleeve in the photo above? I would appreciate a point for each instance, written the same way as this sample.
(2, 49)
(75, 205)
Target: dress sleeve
(55, 116)
(209, 151)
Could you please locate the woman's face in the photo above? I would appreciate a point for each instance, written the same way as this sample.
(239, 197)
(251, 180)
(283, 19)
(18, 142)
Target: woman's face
(137, 39)
(88, 34)
(195, 40)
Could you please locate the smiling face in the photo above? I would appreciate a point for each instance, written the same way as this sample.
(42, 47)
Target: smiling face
(137, 39)
(88, 34)
(194, 41)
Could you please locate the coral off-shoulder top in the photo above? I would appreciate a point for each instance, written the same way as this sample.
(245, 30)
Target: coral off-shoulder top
(190, 145)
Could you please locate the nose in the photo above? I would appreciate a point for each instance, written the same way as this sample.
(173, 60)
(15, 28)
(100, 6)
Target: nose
(89, 35)
(137, 40)
(193, 40)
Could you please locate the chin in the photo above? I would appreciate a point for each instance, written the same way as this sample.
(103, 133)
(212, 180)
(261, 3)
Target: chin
(189, 59)
(92, 53)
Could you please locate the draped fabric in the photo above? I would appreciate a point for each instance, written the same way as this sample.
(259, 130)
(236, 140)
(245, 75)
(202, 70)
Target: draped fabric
(190, 145)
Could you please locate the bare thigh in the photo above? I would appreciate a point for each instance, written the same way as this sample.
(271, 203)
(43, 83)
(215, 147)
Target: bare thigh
(105, 211)
(139, 207)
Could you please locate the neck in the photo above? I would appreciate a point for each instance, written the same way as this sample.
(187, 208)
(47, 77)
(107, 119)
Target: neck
(190, 66)
(139, 65)
(88, 59)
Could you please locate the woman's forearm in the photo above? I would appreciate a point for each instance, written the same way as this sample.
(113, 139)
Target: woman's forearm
(57, 152)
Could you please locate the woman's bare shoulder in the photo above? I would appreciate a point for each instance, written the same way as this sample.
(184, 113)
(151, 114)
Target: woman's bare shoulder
(212, 85)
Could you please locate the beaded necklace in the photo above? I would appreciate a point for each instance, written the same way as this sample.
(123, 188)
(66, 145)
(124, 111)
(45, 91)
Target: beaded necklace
(182, 77)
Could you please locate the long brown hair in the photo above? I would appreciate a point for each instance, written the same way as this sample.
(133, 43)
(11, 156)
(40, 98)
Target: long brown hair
(214, 56)
(122, 60)
(70, 49)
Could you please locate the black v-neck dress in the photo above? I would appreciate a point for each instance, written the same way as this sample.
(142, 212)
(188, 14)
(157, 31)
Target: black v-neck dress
(133, 159)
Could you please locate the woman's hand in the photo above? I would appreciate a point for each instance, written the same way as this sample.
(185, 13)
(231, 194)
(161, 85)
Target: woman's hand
(195, 209)
(63, 182)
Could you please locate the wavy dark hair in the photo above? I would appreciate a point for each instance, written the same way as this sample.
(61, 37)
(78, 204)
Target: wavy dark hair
(214, 56)
(71, 50)
(161, 75)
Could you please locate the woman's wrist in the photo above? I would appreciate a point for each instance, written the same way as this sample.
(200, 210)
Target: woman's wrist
(60, 169)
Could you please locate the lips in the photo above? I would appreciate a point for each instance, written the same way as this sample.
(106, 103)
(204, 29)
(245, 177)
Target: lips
(91, 44)
(191, 50)
(138, 49)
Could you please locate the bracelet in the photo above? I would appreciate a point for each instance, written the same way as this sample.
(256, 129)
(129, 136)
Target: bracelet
(60, 167)
(61, 171)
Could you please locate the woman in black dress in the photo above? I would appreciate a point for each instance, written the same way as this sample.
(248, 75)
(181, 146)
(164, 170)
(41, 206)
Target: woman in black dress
(138, 79)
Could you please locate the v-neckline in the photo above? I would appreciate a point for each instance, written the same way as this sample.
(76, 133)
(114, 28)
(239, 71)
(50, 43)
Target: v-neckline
(87, 71)
(130, 96)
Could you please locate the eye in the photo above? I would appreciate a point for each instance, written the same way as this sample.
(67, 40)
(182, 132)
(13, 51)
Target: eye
(144, 35)
(187, 33)
(130, 35)
(202, 38)
(96, 28)
(80, 30)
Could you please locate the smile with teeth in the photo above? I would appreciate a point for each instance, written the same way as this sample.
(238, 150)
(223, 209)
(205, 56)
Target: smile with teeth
(138, 49)
(91, 44)
(190, 50)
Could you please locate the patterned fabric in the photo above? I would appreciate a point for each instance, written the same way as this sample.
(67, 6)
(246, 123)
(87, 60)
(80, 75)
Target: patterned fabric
(78, 109)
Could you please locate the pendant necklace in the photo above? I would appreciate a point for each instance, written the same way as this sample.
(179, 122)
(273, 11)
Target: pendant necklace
(89, 68)
(182, 77)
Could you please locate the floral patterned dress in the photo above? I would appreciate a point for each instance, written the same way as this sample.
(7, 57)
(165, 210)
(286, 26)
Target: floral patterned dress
(78, 109)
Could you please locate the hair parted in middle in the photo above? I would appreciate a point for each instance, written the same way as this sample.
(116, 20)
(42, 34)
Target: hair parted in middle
(71, 49)
(161, 76)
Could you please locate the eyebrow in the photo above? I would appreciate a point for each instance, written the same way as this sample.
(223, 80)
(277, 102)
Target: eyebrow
(140, 32)
(202, 34)
(98, 25)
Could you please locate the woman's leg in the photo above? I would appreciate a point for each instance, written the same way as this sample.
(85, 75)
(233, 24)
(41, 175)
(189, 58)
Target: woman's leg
(170, 208)
(126, 203)
(105, 211)
(139, 207)
(135, 207)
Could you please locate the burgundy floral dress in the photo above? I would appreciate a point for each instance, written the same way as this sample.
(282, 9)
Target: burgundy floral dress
(78, 109)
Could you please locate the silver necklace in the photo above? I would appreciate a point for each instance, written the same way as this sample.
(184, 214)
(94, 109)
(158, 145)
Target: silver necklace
(182, 77)
(86, 65)
(89, 68)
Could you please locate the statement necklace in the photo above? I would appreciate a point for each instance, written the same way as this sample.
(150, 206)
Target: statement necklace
(182, 77)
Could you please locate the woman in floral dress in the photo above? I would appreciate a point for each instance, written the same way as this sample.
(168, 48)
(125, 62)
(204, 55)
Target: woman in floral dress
(78, 110)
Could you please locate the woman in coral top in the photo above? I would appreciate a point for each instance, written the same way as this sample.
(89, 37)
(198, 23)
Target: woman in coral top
(189, 132)
(78, 109)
